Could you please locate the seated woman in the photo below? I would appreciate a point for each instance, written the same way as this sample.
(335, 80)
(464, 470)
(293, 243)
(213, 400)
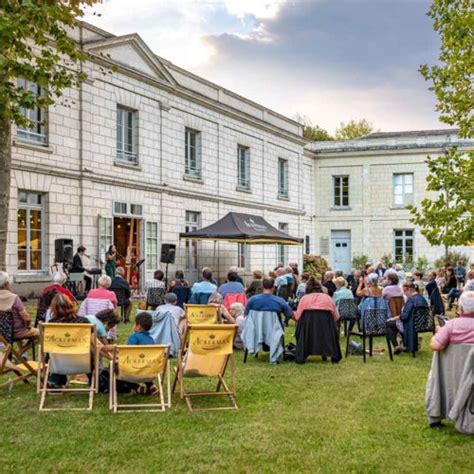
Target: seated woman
(369, 286)
(179, 281)
(59, 279)
(155, 290)
(103, 292)
(301, 290)
(10, 302)
(63, 311)
(315, 298)
(237, 313)
(255, 287)
(342, 292)
(392, 289)
(403, 324)
(223, 314)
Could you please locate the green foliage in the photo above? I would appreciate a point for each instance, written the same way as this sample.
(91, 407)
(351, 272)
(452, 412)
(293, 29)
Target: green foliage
(359, 261)
(448, 218)
(422, 264)
(451, 260)
(36, 47)
(451, 77)
(312, 132)
(315, 265)
(386, 260)
(353, 129)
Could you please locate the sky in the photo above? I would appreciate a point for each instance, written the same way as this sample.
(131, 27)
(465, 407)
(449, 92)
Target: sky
(329, 60)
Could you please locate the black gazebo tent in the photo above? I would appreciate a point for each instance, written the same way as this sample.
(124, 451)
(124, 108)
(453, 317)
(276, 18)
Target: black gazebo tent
(242, 228)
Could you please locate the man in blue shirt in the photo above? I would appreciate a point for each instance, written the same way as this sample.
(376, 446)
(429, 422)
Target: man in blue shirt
(267, 301)
(203, 287)
(232, 285)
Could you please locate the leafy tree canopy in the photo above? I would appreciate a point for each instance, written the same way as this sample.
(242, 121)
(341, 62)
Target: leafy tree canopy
(353, 129)
(312, 132)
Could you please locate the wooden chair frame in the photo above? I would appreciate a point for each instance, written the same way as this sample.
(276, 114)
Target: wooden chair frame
(44, 372)
(144, 407)
(23, 369)
(228, 392)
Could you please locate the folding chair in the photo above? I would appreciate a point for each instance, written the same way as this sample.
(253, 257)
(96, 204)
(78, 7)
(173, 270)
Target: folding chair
(22, 368)
(395, 304)
(72, 350)
(423, 321)
(373, 324)
(210, 348)
(348, 313)
(140, 364)
(201, 314)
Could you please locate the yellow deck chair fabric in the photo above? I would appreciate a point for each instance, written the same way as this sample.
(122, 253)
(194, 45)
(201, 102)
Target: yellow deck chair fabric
(20, 371)
(209, 351)
(201, 314)
(139, 364)
(72, 350)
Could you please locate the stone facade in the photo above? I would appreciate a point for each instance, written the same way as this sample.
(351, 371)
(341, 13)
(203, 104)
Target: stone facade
(372, 216)
(80, 178)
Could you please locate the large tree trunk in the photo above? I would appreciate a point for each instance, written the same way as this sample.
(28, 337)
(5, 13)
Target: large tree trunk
(5, 178)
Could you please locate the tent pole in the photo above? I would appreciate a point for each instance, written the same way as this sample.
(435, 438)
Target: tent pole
(214, 260)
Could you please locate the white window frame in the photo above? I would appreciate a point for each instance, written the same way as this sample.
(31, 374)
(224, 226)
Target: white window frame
(283, 177)
(127, 152)
(192, 223)
(152, 235)
(341, 183)
(192, 153)
(28, 207)
(403, 238)
(38, 133)
(243, 166)
(128, 209)
(282, 254)
(242, 255)
(105, 231)
(403, 189)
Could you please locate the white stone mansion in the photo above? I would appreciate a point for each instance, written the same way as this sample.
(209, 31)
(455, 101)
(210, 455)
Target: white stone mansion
(152, 150)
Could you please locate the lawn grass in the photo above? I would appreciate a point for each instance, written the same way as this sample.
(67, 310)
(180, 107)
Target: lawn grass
(317, 417)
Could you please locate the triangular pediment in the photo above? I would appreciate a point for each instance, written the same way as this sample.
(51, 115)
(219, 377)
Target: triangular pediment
(131, 52)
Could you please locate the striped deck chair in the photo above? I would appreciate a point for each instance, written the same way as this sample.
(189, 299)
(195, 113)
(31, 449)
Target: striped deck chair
(140, 364)
(209, 351)
(72, 350)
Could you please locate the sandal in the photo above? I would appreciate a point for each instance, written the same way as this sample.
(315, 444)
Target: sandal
(141, 390)
(153, 390)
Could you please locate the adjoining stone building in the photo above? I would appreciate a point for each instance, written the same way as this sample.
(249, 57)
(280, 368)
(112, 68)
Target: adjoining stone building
(145, 153)
(362, 189)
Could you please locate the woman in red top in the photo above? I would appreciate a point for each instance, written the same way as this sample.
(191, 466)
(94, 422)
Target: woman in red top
(315, 298)
(58, 281)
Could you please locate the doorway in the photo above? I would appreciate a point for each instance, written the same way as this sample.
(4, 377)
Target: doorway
(341, 250)
(127, 240)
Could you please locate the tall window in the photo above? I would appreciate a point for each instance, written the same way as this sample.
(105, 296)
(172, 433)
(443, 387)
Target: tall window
(37, 131)
(403, 244)
(105, 236)
(307, 245)
(283, 249)
(341, 191)
(282, 177)
(151, 245)
(30, 231)
(402, 189)
(193, 153)
(242, 255)
(127, 135)
(193, 220)
(243, 166)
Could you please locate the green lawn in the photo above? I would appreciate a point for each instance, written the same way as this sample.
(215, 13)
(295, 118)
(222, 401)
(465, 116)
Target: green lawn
(311, 418)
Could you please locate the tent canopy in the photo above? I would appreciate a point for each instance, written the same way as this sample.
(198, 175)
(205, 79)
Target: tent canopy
(242, 228)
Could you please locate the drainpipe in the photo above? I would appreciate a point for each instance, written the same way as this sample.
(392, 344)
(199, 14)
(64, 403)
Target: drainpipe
(81, 148)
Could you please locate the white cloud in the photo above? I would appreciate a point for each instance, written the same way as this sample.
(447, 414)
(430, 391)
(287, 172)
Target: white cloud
(257, 8)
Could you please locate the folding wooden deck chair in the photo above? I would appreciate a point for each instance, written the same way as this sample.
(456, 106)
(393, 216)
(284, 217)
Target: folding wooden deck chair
(72, 350)
(22, 368)
(209, 350)
(140, 364)
(201, 314)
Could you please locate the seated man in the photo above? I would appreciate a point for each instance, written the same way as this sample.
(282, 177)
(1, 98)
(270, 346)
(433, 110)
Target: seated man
(203, 287)
(232, 285)
(103, 292)
(119, 283)
(171, 307)
(267, 301)
(457, 330)
(236, 271)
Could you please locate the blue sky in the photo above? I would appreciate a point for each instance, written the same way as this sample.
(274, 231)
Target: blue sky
(330, 60)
